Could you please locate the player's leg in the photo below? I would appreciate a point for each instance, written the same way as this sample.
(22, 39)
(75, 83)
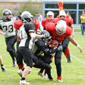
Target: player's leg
(66, 50)
(27, 55)
(2, 65)
(19, 57)
(47, 59)
(46, 66)
(58, 65)
(10, 48)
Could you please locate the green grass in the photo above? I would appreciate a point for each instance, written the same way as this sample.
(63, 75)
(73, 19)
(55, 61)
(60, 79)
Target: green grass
(77, 30)
(72, 73)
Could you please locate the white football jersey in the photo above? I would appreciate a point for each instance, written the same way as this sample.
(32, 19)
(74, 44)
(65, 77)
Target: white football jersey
(8, 27)
(26, 39)
(23, 36)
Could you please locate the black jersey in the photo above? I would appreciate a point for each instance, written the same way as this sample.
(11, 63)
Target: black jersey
(26, 39)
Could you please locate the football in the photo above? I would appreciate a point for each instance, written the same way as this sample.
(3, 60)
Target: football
(54, 42)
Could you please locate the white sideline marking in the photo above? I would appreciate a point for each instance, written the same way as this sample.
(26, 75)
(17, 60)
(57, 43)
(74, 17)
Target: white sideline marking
(78, 59)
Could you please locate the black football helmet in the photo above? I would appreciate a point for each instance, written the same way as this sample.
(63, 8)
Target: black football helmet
(44, 32)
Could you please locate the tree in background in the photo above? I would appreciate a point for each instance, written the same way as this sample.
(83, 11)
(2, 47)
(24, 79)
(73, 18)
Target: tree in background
(31, 7)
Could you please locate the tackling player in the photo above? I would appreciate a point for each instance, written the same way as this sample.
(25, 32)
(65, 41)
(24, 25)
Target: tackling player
(17, 25)
(65, 43)
(59, 32)
(27, 36)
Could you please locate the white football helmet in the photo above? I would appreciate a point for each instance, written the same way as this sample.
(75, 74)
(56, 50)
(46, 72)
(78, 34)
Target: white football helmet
(62, 13)
(6, 11)
(61, 27)
(50, 15)
(7, 14)
(26, 12)
(26, 16)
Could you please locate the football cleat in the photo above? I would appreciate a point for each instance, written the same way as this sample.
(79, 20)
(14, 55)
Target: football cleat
(69, 59)
(51, 79)
(20, 72)
(44, 76)
(60, 80)
(14, 63)
(39, 73)
(23, 82)
(3, 68)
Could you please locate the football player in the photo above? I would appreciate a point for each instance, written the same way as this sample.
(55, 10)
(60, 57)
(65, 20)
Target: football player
(59, 32)
(9, 32)
(49, 18)
(65, 43)
(45, 52)
(17, 25)
(27, 36)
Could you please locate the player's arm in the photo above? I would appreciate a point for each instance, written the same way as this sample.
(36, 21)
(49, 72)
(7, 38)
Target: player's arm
(72, 27)
(74, 42)
(50, 51)
(1, 31)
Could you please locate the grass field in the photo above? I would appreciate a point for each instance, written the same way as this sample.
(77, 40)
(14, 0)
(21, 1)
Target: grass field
(72, 73)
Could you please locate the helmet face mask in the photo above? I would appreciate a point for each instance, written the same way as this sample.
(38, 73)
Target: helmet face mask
(50, 15)
(62, 15)
(59, 32)
(26, 17)
(7, 14)
(47, 39)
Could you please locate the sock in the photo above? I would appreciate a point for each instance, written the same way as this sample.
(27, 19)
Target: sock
(2, 65)
(59, 77)
(52, 57)
(22, 78)
(20, 66)
(23, 69)
(67, 52)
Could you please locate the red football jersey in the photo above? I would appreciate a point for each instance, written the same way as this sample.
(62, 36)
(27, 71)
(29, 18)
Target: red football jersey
(51, 27)
(36, 24)
(45, 22)
(69, 22)
(18, 24)
(56, 20)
